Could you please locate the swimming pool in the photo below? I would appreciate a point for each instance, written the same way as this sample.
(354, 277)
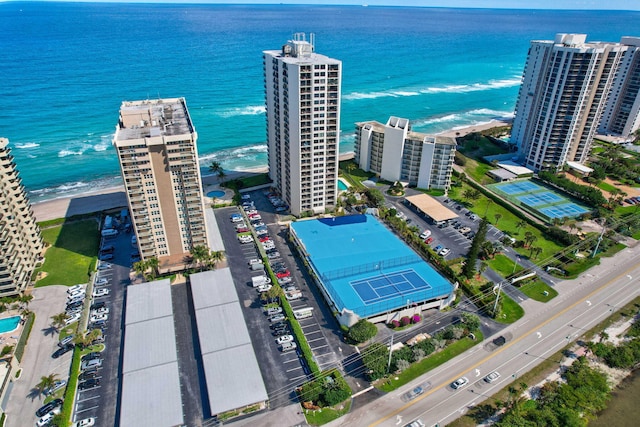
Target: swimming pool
(366, 268)
(342, 186)
(216, 194)
(8, 324)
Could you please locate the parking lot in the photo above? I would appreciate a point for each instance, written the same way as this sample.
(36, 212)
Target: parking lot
(282, 371)
(100, 401)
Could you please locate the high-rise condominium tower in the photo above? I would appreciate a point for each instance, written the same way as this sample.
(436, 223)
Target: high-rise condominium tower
(20, 242)
(303, 124)
(156, 145)
(565, 86)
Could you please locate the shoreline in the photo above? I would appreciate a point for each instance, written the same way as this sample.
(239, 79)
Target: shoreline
(115, 197)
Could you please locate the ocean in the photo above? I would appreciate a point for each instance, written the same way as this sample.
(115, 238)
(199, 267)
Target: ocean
(66, 68)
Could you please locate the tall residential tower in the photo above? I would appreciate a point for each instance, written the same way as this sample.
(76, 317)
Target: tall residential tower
(20, 242)
(156, 145)
(303, 124)
(565, 86)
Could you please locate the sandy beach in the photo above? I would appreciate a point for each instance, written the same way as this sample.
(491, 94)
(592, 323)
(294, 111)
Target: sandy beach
(115, 197)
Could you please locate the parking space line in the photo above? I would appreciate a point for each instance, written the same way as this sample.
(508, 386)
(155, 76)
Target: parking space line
(294, 369)
(314, 340)
(88, 398)
(289, 361)
(298, 378)
(321, 346)
(87, 409)
(319, 331)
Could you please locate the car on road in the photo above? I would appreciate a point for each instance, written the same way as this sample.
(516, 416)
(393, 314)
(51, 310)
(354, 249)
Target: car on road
(276, 318)
(62, 350)
(284, 339)
(460, 382)
(492, 377)
(264, 288)
(417, 391)
(100, 292)
(90, 383)
(416, 423)
(444, 252)
(55, 387)
(48, 407)
(87, 422)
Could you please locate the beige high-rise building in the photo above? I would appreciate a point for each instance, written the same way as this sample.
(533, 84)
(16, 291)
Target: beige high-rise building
(156, 145)
(302, 91)
(20, 241)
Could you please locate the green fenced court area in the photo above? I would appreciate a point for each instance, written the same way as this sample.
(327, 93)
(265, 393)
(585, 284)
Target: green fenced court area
(538, 200)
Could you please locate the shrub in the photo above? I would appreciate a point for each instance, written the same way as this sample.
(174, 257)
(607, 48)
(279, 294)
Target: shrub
(395, 324)
(416, 318)
(404, 321)
(362, 331)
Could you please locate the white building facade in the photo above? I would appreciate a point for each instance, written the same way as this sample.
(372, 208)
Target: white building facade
(564, 90)
(303, 91)
(395, 153)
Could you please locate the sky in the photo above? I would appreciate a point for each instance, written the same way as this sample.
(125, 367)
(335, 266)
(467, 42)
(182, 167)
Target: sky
(506, 4)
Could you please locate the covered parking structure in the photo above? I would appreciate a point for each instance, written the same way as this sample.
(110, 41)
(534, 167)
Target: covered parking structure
(431, 208)
(150, 377)
(233, 377)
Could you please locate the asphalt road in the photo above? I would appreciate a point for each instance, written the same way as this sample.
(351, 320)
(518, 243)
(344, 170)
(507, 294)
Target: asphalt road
(545, 329)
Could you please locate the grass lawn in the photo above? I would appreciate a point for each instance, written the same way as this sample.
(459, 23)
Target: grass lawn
(478, 171)
(503, 265)
(606, 187)
(354, 176)
(320, 417)
(72, 251)
(430, 362)
(479, 149)
(536, 291)
(510, 312)
(507, 222)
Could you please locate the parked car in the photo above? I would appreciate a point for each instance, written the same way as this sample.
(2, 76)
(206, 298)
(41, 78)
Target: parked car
(90, 383)
(73, 305)
(55, 387)
(274, 310)
(288, 347)
(98, 305)
(75, 294)
(105, 257)
(75, 288)
(281, 209)
(100, 292)
(246, 197)
(257, 223)
(87, 422)
(429, 240)
(264, 288)
(97, 317)
(276, 325)
(72, 319)
(47, 418)
(264, 238)
(464, 230)
(245, 238)
(93, 363)
(62, 350)
(438, 248)
(66, 340)
(284, 280)
(104, 266)
(492, 377)
(280, 331)
(460, 382)
(276, 318)
(108, 249)
(272, 255)
(444, 252)
(101, 281)
(48, 407)
(284, 339)
(471, 235)
(425, 234)
(91, 356)
(282, 274)
(87, 375)
(242, 230)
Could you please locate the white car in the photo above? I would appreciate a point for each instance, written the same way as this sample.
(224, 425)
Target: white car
(47, 418)
(284, 280)
(276, 318)
(460, 382)
(245, 238)
(246, 197)
(98, 317)
(444, 252)
(268, 245)
(55, 387)
(101, 310)
(492, 377)
(75, 288)
(274, 310)
(425, 234)
(73, 318)
(76, 294)
(264, 288)
(102, 281)
(100, 292)
(87, 422)
(104, 266)
(284, 339)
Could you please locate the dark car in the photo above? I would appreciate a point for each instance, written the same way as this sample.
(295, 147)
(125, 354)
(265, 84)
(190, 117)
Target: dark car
(105, 257)
(278, 324)
(74, 305)
(89, 356)
(108, 249)
(97, 305)
(64, 349)
(87, 375)
(280, 332)
(45, 409)
(90, 383)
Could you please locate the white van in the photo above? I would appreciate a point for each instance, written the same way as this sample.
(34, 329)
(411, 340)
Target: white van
(260, 280)
(303, 313)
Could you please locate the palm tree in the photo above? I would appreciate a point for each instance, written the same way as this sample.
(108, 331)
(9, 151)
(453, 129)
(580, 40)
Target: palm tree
(153, 264)
(200, 254)
(488, 249)
(529, 240)
(215, 167)
(467, 194)
(520, 224)
(481, 269)
(489, 202)
(46, 382)
(498, 216)
(58, 320)
(140, 267)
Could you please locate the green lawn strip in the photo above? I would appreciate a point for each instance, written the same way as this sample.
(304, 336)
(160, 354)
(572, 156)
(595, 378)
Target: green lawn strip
(613, 250)
(71, 255)
(636, 235)
(579, 266)
(478, 170)
(506, 222)
(504, 265)
(510, 311)
(480, 148)
(536, 289)
(606, 187)
(430, 362)
(72, 384)
(325, 415)
(24, 337)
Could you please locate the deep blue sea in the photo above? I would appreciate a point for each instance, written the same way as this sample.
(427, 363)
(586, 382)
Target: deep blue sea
(66, 68)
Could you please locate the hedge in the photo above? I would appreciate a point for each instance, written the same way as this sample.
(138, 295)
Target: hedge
(24, 337)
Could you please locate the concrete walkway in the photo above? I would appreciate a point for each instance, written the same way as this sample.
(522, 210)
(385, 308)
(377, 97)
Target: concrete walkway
(37, 362)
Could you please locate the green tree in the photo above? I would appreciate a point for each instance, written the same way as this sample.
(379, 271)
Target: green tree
(362, 331)
(520, 224)
(58, 320)
(471, 320)
(200, 254)
(153, 264)
(375, 359)
(375, 197)
(469, 267)
(497, 217)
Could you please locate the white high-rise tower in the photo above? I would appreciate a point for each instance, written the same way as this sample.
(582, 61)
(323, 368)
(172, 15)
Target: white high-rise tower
(303, 124)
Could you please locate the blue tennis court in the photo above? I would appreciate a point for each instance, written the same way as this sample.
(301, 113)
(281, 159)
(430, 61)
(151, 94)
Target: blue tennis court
(518, 187)
(384, 286)
(539, 199)
(565, 210)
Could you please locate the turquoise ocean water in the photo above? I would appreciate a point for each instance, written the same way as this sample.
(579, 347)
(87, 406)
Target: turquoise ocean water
(66, 67)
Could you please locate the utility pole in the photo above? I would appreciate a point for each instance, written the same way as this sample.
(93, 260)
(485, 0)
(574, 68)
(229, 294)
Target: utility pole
(495, 306)
(390, 351)
(595, 250)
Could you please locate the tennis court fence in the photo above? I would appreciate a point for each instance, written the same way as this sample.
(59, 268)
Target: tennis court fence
(369, 266)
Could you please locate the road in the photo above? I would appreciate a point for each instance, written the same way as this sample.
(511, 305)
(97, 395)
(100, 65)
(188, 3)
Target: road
(545, 329)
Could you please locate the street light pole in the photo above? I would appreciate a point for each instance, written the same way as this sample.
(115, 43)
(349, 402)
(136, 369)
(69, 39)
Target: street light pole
(390, 351)
(495, 306)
